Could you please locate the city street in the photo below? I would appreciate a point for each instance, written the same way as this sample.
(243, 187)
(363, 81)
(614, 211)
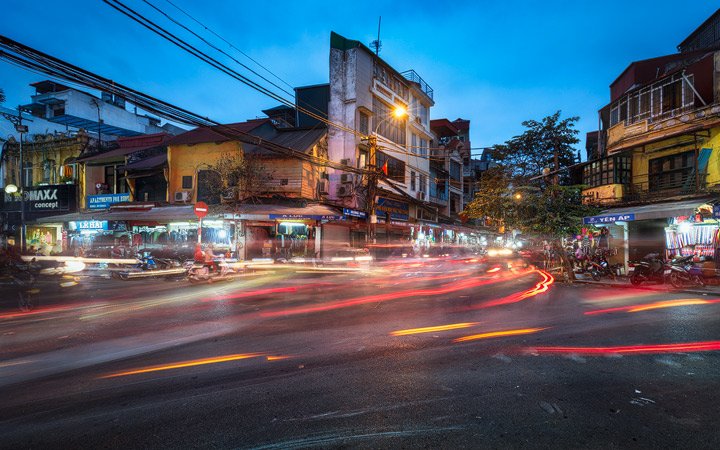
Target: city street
(421, 353)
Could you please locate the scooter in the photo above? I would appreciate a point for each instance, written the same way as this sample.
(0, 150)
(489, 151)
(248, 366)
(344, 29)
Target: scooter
(683, 272)
(651, 268)
(600, 267)
(198, 272)
(147, 267)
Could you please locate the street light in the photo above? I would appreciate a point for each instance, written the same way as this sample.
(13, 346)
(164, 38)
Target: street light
(11, 189)
(398, 113)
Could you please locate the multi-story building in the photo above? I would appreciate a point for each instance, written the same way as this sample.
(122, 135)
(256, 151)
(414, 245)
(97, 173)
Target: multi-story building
(364, 92)
(64, 124)
(453, 152)
(656, 168)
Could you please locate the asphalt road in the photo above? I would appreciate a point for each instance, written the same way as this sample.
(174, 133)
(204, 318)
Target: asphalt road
(295, 360)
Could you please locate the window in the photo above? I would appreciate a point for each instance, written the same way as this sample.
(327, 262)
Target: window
(396, 168)
(613, 170)
(364, 123)
(187, 182)
(49, 171)
(208, 186)
(28, 174)
(660, 100)
(414, 147)
(388, 125)
(455, 170)
(422, 183)
(412, 180)
(423, 148)
(57, 109)
(671, 172)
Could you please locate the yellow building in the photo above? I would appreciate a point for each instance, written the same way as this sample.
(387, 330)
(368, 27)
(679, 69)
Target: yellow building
(657, 165)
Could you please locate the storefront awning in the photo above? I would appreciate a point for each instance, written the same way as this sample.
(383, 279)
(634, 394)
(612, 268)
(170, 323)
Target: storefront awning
(647, 212)
(74, 217)
(284, 212)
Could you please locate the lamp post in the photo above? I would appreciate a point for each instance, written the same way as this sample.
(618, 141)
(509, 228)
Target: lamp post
(398, 113)
(20, 128)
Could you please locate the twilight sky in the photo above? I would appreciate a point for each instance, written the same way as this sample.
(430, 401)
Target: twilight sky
(495, 62)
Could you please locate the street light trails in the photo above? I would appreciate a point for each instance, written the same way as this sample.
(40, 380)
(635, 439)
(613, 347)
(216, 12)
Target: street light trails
(655, 305)
(705, 346)
(454, 326)
(183, 364)
(494, 334)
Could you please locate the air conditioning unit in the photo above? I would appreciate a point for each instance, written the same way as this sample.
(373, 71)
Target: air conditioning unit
(343, 191)
(229, 194)
(346, 178)
(421, 196)
(345, 162)
(182, 196)
(323, 187)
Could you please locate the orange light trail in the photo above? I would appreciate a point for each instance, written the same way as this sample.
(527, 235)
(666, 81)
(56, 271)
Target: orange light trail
(493, 270)
(454, 326)
(494, 334)
(278, 357)
(183, 364)
(444, 289)
(542, 286)
(707, 346)
(655, 305)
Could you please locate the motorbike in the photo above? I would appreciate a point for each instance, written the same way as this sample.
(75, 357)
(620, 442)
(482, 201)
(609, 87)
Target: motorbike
(200, 272)
(600, 267)
(17, 284)
(651, 268)
(148, 266)
(683, 273)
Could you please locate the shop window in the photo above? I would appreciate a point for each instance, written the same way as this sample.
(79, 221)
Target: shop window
(187, 182)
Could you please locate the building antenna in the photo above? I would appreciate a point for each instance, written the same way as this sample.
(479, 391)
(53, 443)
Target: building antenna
(376, 44)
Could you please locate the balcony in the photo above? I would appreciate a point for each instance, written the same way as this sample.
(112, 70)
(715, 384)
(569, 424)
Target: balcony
(650, 188)
(413, 76)
(441, 200)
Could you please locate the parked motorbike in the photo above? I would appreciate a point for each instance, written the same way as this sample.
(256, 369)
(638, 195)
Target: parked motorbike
(683, 273)
(600, 267)
(651, 268)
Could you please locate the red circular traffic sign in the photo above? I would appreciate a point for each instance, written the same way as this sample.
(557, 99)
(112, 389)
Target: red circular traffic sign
(201, 209)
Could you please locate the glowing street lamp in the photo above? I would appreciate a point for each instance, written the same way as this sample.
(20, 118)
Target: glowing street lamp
(11, 189)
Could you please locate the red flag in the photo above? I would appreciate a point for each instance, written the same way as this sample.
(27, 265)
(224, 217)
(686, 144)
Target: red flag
(384, 168)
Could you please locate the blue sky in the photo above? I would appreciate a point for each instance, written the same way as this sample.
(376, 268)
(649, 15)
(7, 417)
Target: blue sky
(496, 63)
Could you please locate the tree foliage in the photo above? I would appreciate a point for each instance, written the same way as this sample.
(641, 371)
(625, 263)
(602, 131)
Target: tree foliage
(238, 177)
(525, 156)
(515, 194)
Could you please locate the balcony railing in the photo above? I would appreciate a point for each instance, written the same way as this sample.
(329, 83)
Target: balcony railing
(654, 187)
(442, 200)
(411, 75)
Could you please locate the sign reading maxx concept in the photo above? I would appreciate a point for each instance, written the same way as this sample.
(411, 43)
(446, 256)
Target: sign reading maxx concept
(52, 198)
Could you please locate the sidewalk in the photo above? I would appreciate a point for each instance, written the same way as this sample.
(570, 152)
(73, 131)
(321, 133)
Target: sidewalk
(624, 282)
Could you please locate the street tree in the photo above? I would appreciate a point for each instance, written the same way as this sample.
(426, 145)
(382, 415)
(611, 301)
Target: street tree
(235, 178)
(547, 143)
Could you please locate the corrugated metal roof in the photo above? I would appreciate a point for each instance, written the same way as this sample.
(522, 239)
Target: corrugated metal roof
(214, 134)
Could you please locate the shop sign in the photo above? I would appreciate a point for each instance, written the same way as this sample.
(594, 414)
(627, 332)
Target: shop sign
(304, 217)
(104, 201)
(94, 225)
(398, 210)
(716, 212)
(608, 219)
(50, 198)
(353, 213)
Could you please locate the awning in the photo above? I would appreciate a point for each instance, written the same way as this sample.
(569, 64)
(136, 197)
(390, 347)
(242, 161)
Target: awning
(284, 212)
(148, 163)
(647, 212)
(73, 217)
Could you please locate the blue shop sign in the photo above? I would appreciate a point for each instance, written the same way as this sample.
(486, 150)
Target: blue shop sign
(103, 201)
(353, 213)
(95, 225)
(398, 210)
(608, 219)
(305, 217)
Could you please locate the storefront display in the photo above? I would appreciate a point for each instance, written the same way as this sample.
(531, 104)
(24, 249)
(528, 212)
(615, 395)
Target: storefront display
(686, 237)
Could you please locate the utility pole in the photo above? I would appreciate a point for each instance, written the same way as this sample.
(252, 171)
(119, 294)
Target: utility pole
(372, 189)
(21, 129)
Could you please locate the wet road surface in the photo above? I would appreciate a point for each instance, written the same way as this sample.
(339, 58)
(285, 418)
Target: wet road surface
(424, 354)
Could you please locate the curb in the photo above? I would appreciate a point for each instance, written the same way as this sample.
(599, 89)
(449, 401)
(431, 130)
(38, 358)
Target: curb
(647, 288)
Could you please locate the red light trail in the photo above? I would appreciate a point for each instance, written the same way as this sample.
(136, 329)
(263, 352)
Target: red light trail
(706, 346)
